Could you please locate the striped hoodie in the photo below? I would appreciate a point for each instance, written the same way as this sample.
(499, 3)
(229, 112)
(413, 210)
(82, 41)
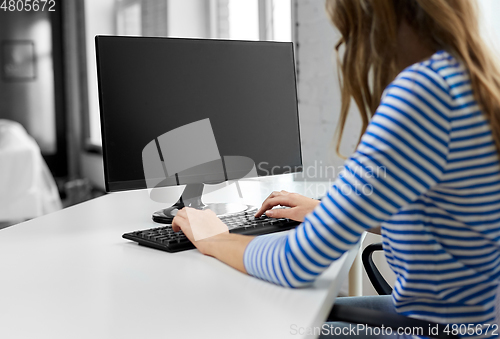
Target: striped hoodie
(428, 172)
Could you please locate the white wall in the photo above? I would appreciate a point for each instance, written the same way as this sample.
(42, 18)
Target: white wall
(188, 18)
(489, 23)
(319, 92)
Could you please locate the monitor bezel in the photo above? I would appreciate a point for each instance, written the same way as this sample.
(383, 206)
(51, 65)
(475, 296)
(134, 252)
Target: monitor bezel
(119, 186)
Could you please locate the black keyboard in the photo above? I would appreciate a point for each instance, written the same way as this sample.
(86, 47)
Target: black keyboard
(164, 238)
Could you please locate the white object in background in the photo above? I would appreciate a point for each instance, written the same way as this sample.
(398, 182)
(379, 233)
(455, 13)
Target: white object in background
(27, 188)
(356, 273)
(497, 306)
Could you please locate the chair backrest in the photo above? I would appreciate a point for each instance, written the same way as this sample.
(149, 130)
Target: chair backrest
(377, 280)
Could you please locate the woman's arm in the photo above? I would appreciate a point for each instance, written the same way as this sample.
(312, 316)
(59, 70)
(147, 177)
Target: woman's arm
(300, 206)
(220, 244)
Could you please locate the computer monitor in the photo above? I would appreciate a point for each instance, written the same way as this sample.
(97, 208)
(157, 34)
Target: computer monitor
(163, 101)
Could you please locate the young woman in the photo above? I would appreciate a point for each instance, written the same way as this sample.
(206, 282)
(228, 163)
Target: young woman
(429, 96)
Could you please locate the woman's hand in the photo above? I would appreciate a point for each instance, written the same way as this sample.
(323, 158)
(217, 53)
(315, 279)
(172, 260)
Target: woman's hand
(211, 236)
(201, 227)
(299, 205)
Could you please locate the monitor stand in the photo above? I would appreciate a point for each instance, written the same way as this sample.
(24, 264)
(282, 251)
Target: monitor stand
(191, 197)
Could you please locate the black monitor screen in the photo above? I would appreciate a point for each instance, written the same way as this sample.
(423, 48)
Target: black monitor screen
(150, 86)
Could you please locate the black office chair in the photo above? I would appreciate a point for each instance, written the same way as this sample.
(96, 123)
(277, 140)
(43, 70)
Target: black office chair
(356, 315)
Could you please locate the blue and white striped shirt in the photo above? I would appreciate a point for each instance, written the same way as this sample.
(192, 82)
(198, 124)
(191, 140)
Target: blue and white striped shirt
(437, 199)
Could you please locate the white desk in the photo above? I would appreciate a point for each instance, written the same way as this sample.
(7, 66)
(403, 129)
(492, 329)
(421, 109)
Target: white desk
(69, 274)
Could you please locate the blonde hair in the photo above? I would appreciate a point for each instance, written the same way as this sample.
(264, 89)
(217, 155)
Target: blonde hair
(369, 31)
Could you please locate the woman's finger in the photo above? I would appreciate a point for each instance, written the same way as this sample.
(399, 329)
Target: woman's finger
(289, 213)
(275, 194)
(180, 220)
(177, 223)
(270, 196)
(182, 213)
(283, 200)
